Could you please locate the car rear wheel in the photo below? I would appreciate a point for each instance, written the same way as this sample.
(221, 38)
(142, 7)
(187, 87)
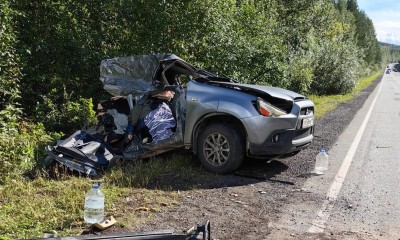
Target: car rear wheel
(220, 148)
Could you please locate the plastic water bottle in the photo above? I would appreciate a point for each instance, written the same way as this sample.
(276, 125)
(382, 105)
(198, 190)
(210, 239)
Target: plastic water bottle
(321, 162)
(94, 205)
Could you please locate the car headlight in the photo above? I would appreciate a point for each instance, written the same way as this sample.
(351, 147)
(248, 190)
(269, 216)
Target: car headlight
(266, 109)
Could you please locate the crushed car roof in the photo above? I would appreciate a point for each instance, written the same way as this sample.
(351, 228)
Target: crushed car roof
(132, 75)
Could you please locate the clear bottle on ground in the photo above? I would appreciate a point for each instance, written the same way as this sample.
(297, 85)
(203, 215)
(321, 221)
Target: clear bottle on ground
(94, 205)
(321, 162)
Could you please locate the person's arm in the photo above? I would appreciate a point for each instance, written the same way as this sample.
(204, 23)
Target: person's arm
(129, 130)
(139, 111)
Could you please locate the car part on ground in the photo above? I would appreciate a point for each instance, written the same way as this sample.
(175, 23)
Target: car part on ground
(199, 232)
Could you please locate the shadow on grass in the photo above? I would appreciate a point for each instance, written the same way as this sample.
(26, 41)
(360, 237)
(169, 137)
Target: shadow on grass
(182, 171)
(192, 175)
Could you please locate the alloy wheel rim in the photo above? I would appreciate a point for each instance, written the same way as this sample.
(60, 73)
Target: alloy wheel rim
(216, 149)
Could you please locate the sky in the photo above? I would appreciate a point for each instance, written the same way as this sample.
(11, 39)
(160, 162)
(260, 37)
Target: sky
(385, 14)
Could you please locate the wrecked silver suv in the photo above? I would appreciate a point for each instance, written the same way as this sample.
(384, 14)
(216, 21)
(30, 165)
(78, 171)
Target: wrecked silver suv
(219, 120)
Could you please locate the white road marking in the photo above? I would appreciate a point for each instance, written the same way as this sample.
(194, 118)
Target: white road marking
(318, 225)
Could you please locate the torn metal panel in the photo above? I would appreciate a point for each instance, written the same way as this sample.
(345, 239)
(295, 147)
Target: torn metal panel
(133, 75)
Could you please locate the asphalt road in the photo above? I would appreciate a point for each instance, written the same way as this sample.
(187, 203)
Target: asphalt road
(358, 197)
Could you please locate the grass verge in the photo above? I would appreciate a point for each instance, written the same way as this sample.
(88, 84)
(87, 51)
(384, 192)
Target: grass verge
(134, 193)
(324, 104)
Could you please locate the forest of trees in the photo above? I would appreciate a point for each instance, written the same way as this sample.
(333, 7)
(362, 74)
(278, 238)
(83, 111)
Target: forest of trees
(390, 53)
(50, 51)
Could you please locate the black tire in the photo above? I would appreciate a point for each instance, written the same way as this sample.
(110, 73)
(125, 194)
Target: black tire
(220, 148)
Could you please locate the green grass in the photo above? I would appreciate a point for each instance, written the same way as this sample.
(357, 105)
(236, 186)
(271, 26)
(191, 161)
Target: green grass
(324, 104)
(134, 192)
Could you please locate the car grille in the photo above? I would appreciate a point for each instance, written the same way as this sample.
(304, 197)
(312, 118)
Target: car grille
(302, 133)
(287, 107)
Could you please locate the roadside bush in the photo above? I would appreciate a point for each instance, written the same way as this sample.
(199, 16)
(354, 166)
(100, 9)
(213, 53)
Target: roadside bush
(336, 69)
(21, 145)
(300, 74)
(66, 117)
(10, 73)
(242, 41)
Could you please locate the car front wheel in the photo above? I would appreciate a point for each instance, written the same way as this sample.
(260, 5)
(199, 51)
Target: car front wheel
(220, 148)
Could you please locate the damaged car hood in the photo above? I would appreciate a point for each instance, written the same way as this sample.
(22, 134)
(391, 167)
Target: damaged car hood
(259, 90)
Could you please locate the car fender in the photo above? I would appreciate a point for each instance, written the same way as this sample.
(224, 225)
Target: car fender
(205, 100)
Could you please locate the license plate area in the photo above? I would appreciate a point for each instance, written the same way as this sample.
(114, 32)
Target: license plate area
(307, 122)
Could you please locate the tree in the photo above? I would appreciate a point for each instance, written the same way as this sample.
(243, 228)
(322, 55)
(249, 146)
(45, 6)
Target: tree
(10, 73)
(365, 34)
(275, 42)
